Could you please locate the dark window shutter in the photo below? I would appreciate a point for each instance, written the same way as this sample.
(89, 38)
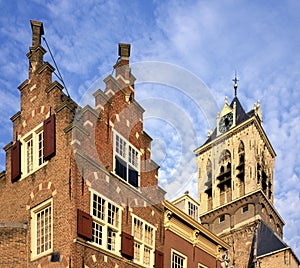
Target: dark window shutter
(127, 246)
(84, 224)
(159, 259)
(121, 169)
(133, 177)
(49, 137)
(16, 161)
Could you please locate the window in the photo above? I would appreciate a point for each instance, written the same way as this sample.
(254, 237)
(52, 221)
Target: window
(178, 260)
(222, 218)
(42, 229)
(193, 210)
(245, 209)
(127, 160)
(106, 223)
(144, 241)
(32, 151)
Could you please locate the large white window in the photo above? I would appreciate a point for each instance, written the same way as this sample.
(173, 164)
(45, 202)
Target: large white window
(42, 229)
(106, 223)
(126, 160)
(32, 151)
(144, 241)
(178, 260)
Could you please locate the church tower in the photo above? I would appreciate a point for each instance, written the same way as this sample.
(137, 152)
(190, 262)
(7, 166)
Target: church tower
(236, 186)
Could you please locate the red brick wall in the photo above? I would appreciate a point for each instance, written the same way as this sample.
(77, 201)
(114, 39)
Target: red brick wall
(195, 256)
(13, 246)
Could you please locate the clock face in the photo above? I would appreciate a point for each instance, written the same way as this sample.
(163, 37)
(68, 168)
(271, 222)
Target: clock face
(225, 122)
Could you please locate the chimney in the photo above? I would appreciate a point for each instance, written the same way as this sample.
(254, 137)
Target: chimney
(37, 31)
(124, 51)
(122, 66)
(36, 51)
(124, 54)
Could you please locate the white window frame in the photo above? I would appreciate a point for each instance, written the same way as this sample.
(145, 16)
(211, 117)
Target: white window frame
(102, 221)
(35, 155)
(202, 266)
(128, 153)
(180, 255)
(34, 229)
(144, 242)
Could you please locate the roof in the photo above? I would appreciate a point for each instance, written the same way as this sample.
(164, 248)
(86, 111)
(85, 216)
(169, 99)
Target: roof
(241, 116)
(268, 241)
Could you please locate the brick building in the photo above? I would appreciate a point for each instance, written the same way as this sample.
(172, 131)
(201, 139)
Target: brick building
(236, 189)
(187, 241)
(80, 188)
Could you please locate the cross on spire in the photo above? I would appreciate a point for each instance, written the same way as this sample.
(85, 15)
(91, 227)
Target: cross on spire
(235, 86)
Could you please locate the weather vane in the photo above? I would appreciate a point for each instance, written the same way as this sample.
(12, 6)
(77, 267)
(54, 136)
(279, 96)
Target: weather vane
(235, 86)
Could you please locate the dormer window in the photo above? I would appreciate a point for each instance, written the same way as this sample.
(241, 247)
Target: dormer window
(193, 210)
(188, 205)
(126, 160)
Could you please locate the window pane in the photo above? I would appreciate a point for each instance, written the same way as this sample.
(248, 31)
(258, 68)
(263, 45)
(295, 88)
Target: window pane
(121, 168)
(138, 229)
(111, 239)
(29, 155)
(137, 252)
(133, 177)
(40, 148)
(177, 261)
(193, 210)
(98, 207)
(97, 233)
(148, 235)
(43, 230)
(112, 215)
(147, 253)
(120, 146)
(133, 157)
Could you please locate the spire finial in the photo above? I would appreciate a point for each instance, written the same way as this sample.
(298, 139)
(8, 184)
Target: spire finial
(235, 86)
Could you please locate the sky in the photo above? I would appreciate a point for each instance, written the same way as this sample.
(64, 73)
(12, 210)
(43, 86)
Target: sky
(184, 55)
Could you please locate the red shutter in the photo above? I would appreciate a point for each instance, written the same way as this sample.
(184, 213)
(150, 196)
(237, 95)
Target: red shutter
(127, 246)
(16, 161)
(159, 259)
(84, 225)
(49, 137)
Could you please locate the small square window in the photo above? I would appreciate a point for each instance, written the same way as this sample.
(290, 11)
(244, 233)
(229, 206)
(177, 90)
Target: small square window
(222, 218)
(245, 209)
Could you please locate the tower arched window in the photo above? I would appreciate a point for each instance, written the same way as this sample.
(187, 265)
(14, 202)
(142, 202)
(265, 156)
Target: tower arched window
(209, 170)
(225, 162)
(224, 177)
(240, 168)
(241, 152)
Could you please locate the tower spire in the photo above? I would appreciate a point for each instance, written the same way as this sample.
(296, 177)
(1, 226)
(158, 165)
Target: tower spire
(235, 85)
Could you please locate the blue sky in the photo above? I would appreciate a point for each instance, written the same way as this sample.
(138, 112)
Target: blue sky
(207, 40)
